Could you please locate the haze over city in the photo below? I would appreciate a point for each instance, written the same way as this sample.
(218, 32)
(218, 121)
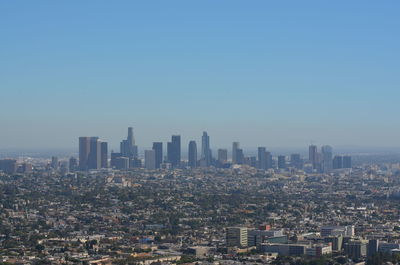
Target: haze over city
(263, 73)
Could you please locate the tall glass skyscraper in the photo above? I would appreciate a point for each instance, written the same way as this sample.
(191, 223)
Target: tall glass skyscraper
(192, 154)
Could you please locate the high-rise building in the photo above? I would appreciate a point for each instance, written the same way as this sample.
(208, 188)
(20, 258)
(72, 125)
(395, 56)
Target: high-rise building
(73, 164)
(169, 152)
(174, 150)
(313, 156)
(128, 147)
(205, 149)
(295, 161)
(355, 249)
(281, 162)
(150, 159)
(337, 162)
(262, 158)
(237, 237)
(8, 166)
(235, 147)
(90, 153)
(347, 162)
(222, 156)
(104, 154)
(94, 159)
(84, 151)
(54, 162)
(239, 156)
(114, 157)
(326, 151)
(131, 138)
(268, 157)
(373, 246)
(192, 154)
(157, 147)
(121, 162)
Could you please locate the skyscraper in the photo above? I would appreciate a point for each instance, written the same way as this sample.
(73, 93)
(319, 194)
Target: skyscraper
(239, 156)
(73, 164)
(326, 158)
(235, 146)
(222, 156)
(94, 158)
(205, 149)
(269, 160)
(337, 162)
(128, 147)
(313, 156)
(150, 159)
(104, 154)
(174, 150)
(347, 162)
(262, 158)
(54, 162)
(192, 154)
(296, 161)
(131, 138)
(157, 147)
(84, 150)
(281, 162)
(90, 153)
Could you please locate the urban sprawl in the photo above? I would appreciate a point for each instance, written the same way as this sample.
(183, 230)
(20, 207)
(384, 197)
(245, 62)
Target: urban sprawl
(122, 208)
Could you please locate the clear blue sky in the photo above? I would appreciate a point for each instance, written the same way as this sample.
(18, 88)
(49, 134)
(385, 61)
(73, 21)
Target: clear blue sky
(271, 73)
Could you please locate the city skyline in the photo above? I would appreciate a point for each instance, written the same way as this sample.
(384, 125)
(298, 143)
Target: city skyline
(268, 72)
(93, 154)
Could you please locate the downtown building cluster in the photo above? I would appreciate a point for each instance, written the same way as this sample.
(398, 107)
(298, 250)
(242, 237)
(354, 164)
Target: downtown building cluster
(93, 154)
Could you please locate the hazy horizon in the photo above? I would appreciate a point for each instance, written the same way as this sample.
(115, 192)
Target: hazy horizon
(262, 73)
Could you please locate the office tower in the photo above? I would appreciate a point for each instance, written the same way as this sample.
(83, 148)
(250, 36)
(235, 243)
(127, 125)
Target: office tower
(239, 156)
(262, 158)
(335, 241)
(121, 163)
(313, 156)
(128, 147)
(94, 158)
(157, 147)
(236, 237)
(337, 162)
(356, 249)
(54, 162)
(84, 151)
(135, 162)
(104, 154)
(326, 151)
(174, 150)
(281, 162)
(131, 138)
(346, 162)
(253, 162)
(205, 149)
(27, 168)
(268, 157)
(90, 155)
(169, 152)
(192, 154)
(222, 156)
(235, 146)
(73, 164)
(8, 166)
(114, 156)
(295, 161)
(150, 159)
(373, 246)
